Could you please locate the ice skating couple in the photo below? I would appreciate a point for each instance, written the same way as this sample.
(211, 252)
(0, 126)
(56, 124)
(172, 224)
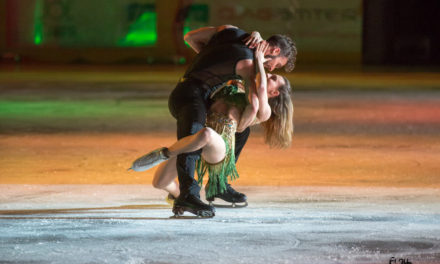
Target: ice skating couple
(224, 91)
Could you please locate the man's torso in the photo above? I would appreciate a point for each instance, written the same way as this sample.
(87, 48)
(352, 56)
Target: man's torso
(217, 62)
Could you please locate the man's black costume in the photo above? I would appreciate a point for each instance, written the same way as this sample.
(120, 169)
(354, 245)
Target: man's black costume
(190, 101)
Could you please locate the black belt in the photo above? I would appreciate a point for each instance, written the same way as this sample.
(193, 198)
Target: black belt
(208, 85)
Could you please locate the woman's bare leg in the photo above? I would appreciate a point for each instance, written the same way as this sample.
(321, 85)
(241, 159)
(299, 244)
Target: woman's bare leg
(190, 143)
(165, 176)
(213, 151)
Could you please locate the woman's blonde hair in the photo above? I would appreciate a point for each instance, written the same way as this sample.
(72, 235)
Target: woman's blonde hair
(278, 129)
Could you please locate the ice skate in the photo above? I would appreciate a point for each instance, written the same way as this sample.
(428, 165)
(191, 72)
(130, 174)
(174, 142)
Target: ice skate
(232, 198)
(150, 160)
(192, 204)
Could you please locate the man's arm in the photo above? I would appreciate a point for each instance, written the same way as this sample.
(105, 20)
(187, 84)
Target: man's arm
(198, 38)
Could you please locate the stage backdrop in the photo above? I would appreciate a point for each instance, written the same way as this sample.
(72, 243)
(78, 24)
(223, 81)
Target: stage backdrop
(117, 30)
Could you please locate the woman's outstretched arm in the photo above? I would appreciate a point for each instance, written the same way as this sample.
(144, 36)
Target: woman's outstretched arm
(258, 109)
(249, 114)
(264, 110)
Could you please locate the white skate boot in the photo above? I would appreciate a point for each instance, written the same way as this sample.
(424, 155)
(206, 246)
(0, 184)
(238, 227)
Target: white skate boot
(150, 160)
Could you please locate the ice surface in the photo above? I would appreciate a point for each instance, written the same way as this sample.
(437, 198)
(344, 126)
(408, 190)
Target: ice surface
(132, 224)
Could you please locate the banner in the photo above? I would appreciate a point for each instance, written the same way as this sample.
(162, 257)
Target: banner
(97, 23)
(315, 25)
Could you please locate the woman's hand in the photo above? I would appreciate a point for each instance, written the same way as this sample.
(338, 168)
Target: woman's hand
(260, 50)
(253, 39)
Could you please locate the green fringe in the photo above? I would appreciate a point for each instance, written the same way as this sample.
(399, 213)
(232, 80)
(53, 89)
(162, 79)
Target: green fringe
(218, 173)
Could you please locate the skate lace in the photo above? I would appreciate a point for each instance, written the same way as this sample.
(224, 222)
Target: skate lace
(230, 190)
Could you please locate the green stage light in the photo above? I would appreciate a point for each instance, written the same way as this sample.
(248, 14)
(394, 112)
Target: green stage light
(38, 23)
(186, 30)
(198, 16)
(143, 32)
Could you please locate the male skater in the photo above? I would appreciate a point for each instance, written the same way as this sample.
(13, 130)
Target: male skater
(222, 55)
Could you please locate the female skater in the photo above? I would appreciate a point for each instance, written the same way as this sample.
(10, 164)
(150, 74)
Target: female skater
(229, 113)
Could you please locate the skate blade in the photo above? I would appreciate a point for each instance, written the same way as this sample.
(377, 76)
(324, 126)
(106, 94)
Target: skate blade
(178, 212)
(187, 217)
(230, 205)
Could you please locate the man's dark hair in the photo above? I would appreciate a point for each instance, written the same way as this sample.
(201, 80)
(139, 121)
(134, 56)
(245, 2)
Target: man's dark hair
(287, 49)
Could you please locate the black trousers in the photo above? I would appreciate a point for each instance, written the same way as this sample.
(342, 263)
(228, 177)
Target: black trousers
(189, 103)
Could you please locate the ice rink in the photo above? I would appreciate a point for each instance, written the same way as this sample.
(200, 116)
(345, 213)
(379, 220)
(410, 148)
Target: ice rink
(132, 224)
(359, 185)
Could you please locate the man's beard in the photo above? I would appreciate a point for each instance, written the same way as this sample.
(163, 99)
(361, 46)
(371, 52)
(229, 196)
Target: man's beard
(270, 57)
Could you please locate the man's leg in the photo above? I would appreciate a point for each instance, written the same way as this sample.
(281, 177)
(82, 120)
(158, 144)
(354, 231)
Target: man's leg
(189, 108)
(186, 162)
(186, 104)
(240, 141)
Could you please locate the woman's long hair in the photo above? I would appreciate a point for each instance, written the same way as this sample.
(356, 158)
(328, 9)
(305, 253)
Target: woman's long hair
(278, 129)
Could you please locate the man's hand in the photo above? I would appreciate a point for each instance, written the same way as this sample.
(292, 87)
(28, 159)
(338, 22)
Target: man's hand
(253, 39)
